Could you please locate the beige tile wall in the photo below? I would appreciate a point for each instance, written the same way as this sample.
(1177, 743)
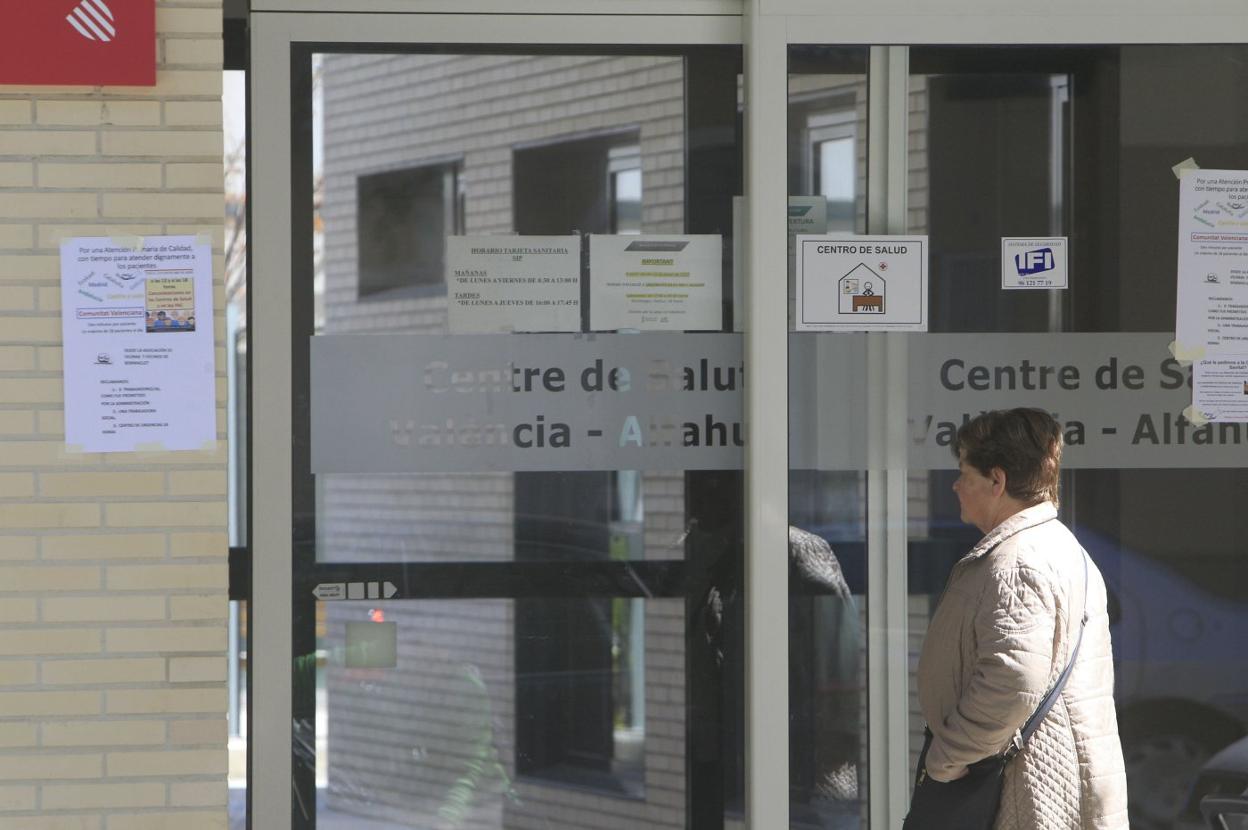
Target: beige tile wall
(113, 568)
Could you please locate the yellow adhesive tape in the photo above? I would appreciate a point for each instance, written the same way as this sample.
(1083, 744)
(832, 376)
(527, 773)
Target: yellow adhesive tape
(1186, 354)
(210, 446)
(1193, 415)
(203, 239)
(134, 243)
(75, 449)
(150, 446)
(1183, 166)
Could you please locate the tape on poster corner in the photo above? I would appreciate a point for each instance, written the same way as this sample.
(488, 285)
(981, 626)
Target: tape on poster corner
(1186, 354)
(210, 445)
(1193, 415)
(203, 239)
(134, 243)
(75, 449)
(1183, 166)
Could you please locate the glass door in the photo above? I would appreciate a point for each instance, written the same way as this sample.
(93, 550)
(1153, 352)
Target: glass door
(516, 562)
(515, 389)
(517, 595)
(1069, 151)
(1074, 147)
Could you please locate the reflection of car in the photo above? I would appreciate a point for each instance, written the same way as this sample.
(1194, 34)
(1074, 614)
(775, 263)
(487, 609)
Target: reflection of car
(1226, 812)
(1180, 688)
(1224, 778)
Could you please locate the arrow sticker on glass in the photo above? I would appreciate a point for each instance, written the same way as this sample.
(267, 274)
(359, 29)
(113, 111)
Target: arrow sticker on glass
(354, 590)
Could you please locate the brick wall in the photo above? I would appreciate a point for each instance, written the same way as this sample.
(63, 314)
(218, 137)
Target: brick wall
(112, 567)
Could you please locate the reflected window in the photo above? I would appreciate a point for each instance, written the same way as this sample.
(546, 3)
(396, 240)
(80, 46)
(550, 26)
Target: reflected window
(591, 185)
(831, 157)
(578, 676)
(580, 663)
(404, 217)
(624, 167)
(835, 167)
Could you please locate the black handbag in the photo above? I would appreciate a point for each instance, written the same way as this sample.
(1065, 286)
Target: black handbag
(972, 801)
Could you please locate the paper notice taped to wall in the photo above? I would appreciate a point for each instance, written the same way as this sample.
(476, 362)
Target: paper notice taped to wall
(138, 336)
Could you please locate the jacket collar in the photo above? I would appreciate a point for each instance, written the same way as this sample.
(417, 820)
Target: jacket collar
(1028, 517)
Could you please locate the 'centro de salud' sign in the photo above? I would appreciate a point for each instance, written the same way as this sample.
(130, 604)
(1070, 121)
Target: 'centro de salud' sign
(79, 43)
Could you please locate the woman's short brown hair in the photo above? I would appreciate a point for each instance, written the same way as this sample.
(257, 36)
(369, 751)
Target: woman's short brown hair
(1025, 443)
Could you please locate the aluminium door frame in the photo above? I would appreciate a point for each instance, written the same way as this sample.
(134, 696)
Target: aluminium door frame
(273, 34)
(888, 30)
(766, 28)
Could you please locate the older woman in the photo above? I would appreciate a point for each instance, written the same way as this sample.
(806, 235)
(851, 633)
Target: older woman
(1005, 629)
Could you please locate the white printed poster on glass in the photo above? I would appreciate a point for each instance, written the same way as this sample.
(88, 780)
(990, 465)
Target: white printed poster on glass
(1211, 315)
(513, 283)
(1211, 307)
(656, 282)
(136, 317)
(1220, 388)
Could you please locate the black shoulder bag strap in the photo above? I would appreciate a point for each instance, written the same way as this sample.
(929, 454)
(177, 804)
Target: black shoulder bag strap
(1037, 717)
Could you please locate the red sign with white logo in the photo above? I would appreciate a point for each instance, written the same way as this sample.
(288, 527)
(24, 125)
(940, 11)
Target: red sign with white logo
(78, 42)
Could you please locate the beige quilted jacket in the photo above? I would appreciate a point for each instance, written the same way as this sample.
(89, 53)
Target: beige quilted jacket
(1002, 633)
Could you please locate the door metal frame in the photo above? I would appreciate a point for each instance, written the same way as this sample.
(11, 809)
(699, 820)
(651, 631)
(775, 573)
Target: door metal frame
(766, 28)
(970, 23)
(767, 449)
(276, 39)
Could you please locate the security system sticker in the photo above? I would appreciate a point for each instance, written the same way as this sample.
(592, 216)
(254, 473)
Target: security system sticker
(1033, 262)
(861, 283)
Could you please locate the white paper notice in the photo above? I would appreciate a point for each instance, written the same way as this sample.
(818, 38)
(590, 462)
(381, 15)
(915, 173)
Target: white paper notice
(862, 283)
(513, 283)
(1220, 388)
(656, 283)
(1212, 307)
(137, 327)
(1033, 262)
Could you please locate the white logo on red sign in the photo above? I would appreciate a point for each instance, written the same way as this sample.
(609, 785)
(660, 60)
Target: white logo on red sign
(93, 20)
